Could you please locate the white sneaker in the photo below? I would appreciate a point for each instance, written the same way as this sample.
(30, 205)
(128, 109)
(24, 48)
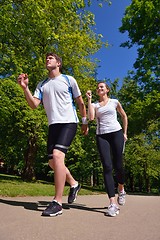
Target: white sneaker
(112, 210)
(121, 198)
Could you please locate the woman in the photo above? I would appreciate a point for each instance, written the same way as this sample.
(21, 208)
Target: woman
(110, 140)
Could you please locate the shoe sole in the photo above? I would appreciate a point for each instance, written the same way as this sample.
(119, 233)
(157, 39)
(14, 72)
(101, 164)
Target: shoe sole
(75, 195)
(112, 215)
(121, 204)
(52, 215)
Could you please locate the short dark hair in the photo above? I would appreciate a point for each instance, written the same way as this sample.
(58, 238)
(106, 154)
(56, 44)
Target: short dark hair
(59, 59)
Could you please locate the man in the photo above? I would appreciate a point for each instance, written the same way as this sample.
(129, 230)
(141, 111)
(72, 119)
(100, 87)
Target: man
(57, 93)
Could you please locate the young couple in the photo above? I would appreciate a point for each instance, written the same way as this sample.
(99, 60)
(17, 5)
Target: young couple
(57, 93)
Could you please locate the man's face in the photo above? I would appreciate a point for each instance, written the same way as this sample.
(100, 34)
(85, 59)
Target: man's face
(51, 63)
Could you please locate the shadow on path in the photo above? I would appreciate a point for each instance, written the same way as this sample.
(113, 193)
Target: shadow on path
(27, 205)
(36, 206)
(83, 207)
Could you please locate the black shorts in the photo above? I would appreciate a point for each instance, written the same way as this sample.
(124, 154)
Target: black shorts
(60, 137)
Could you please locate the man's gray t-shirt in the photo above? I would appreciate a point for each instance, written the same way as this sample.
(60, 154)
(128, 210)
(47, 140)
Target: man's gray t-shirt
(57, 95)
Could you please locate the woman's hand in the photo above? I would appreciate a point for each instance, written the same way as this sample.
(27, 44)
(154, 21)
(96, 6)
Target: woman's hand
(89, 94)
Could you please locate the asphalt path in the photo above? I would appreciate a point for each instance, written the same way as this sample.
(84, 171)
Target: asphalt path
(139, 219)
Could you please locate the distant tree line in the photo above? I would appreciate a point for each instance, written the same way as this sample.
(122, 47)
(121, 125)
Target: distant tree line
(31, 28)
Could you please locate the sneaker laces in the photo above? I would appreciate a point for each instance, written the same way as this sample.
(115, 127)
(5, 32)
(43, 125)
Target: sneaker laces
(113, 205)
(121, 194)
(52, 205)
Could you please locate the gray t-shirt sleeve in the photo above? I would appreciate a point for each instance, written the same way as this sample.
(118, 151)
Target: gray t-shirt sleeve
(38, 92)
(75, 88)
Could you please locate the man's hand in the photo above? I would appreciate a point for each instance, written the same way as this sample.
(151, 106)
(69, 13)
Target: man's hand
(23, 80)
(84, 129)
(125, 137)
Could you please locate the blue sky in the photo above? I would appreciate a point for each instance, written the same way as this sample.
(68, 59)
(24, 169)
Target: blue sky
(115, 61)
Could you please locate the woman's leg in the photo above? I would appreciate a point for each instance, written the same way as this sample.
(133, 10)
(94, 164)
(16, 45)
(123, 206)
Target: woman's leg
(117, 142)
(105, 156)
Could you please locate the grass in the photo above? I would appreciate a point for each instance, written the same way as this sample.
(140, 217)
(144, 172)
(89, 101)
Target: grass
(13, 186)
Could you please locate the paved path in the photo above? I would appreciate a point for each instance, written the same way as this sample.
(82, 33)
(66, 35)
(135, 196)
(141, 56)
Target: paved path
(139, 219)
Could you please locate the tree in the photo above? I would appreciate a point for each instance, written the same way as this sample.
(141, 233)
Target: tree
(142, 160)
(141, 21)
(141, 108)
(21, 130)
(29, 29)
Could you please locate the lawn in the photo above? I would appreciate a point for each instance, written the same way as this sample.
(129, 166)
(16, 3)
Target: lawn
(12, 186)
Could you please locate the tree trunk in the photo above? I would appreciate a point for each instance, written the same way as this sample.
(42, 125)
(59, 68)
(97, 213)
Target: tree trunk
(148, 187)
(131, 180)
(147, 180)
(140, 184)
(28, 172)
(91, 180)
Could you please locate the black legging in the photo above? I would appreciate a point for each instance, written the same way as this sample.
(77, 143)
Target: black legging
(111, 143)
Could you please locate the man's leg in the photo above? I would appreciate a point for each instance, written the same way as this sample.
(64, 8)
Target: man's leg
(69, 178)
(59, 140)
(74, 186)
(57, 164)
(59, 174)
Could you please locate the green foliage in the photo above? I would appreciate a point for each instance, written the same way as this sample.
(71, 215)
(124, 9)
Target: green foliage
(140, 95)
(31, 28)
(140, 108)
(19, 125)
(10, 96)
(142, 152)
(141, 21)
(142, 159)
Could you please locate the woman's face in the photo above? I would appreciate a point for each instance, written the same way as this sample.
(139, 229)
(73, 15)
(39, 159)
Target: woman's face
(102, 89)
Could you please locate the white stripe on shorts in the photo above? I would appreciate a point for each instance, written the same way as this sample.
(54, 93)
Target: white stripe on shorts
(61, 146)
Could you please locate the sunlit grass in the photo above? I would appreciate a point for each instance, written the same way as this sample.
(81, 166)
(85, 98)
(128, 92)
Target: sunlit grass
(12, 186)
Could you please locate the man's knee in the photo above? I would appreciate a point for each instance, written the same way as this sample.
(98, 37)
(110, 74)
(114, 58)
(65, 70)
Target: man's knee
(57, 154)
(54, 157)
